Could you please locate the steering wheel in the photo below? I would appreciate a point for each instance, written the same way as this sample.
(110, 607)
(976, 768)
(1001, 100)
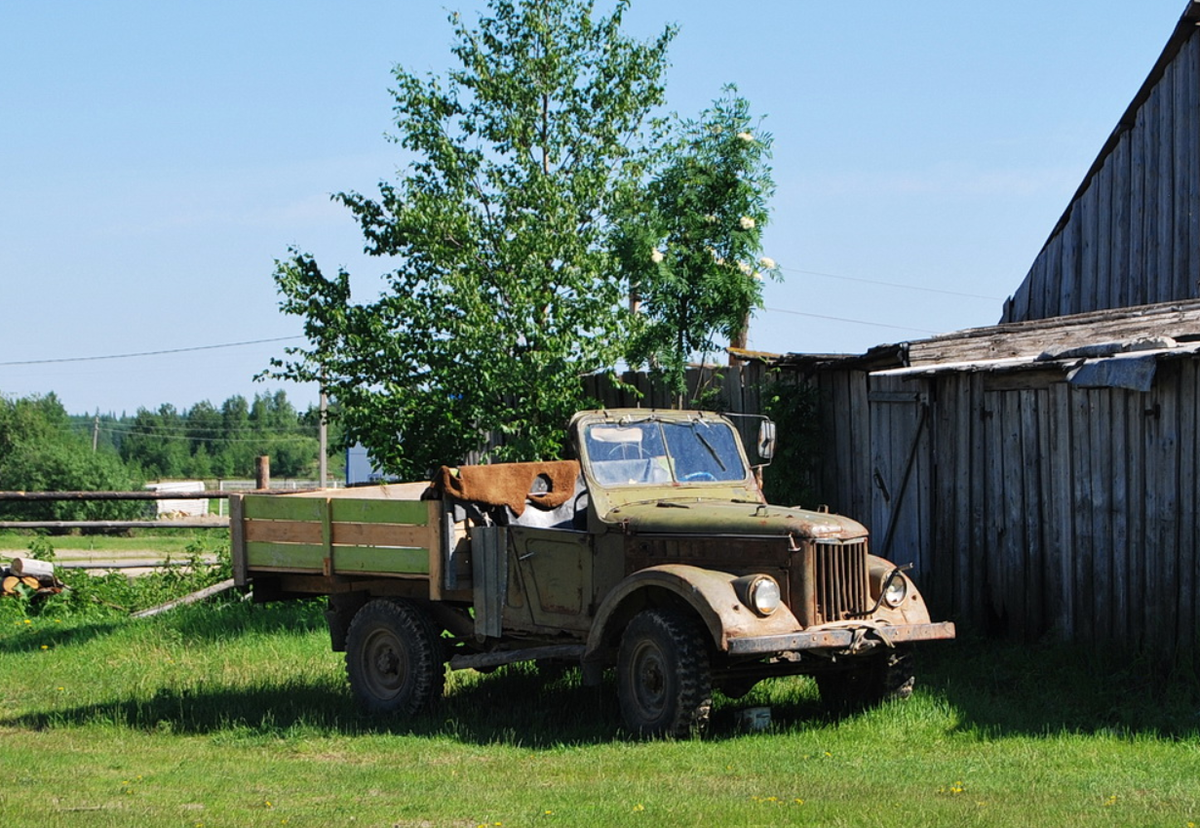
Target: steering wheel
(627, 451)
(700, 475)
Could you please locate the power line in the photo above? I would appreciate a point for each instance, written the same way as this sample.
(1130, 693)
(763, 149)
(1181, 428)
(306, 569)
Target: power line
(852, 321)
(278, 438)
(150, 353)
(183, 430)
(894, 285)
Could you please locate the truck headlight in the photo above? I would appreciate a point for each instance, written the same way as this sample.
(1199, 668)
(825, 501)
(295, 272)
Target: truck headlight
(760, 593)
(896, 589)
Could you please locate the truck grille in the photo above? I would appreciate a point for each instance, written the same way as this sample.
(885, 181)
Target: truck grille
(841, 580)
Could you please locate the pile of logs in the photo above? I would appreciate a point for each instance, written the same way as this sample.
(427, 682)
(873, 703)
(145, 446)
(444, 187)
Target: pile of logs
(29, 576)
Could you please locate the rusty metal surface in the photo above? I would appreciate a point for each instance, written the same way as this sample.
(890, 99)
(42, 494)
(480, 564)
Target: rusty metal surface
(840, 638)
(669, 512)
(710, 593)
(566, 652)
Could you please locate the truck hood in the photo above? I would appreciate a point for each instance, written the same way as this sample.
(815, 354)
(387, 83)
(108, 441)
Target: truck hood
(699, 516)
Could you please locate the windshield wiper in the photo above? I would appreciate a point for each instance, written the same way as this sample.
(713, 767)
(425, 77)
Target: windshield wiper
(710, 448)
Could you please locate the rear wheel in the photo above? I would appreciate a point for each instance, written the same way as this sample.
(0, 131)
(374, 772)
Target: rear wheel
(393, 658)
(875, 680)
(664, 679)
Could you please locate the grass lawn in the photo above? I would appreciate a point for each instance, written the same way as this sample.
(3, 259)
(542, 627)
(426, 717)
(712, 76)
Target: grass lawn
(174, 543)
(237, 715)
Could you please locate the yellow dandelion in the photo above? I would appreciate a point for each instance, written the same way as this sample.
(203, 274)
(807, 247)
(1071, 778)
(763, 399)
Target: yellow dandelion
(639, 807)
(45, 646)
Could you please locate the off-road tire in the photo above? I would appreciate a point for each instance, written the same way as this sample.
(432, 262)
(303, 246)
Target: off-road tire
(394, 658)
(885, 677)
(664, 677)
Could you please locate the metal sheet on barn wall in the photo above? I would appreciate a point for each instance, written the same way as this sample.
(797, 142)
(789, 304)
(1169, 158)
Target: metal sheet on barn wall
(900, 464)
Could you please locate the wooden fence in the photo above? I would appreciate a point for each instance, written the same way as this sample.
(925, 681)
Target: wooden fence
(214, 522)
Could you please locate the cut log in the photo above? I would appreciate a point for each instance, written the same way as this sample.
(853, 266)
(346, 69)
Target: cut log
(9, 585)
(30, 581)
(32, 566)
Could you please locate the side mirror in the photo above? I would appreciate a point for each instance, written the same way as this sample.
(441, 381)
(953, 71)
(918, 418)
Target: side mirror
(766, 439)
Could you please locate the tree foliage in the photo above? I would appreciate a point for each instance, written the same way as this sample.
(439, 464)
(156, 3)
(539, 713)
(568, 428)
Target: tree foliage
(40, 452)
(505, 292)
(205, 441)
(693, 249)
(794, 476)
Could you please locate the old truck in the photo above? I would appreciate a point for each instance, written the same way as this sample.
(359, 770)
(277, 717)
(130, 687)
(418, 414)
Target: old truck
(653, 552)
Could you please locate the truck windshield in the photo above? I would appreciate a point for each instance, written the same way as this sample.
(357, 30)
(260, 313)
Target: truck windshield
(654, 451)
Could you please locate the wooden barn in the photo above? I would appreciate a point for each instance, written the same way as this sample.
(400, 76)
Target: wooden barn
(1042, 474)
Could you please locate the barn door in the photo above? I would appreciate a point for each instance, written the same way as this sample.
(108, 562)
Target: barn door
(900, 468)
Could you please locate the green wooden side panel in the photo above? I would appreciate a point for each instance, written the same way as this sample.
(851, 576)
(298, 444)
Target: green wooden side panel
(303, 557)
(349, 510)
(274, 507)
(295, 556)
(373, 559)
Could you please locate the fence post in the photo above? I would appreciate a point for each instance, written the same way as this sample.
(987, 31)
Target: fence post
(262, 472)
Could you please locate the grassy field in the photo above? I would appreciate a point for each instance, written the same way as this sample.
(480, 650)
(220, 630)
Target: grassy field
(231, 714)
(174, 543)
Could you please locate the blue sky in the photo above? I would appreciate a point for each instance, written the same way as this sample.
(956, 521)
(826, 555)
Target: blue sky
(155, 158)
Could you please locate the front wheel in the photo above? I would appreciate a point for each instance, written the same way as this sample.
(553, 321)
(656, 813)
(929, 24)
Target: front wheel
(393, 658)
(664, 679)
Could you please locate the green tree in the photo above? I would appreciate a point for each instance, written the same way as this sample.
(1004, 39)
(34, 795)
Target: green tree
(504, 293)
(693, 251)
(280, 434)
(157, 442)
(40, 452)
(236, 454)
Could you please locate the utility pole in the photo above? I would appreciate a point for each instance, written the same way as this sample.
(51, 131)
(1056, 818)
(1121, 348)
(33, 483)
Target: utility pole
(323, 439)
(96, 431)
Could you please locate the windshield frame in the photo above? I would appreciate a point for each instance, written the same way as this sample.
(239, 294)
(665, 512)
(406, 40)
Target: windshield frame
(657, 449)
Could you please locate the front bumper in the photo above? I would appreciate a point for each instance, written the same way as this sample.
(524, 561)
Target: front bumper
(854, 638)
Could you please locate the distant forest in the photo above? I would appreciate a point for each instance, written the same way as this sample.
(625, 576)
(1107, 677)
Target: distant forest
(42, 447)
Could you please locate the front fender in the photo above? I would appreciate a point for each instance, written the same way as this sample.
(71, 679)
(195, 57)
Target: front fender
(709, 593)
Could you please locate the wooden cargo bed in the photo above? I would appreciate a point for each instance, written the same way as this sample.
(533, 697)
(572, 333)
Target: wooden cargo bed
(379, 530)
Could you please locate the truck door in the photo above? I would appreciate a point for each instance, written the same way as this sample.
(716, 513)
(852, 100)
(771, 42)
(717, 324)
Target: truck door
(549, 578)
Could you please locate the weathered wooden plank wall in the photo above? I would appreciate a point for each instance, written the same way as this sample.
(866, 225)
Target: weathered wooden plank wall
(727, 388)
(1130, 235)
(1043, 510)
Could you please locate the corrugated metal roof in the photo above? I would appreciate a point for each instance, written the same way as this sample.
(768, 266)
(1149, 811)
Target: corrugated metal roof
(1028, 363)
